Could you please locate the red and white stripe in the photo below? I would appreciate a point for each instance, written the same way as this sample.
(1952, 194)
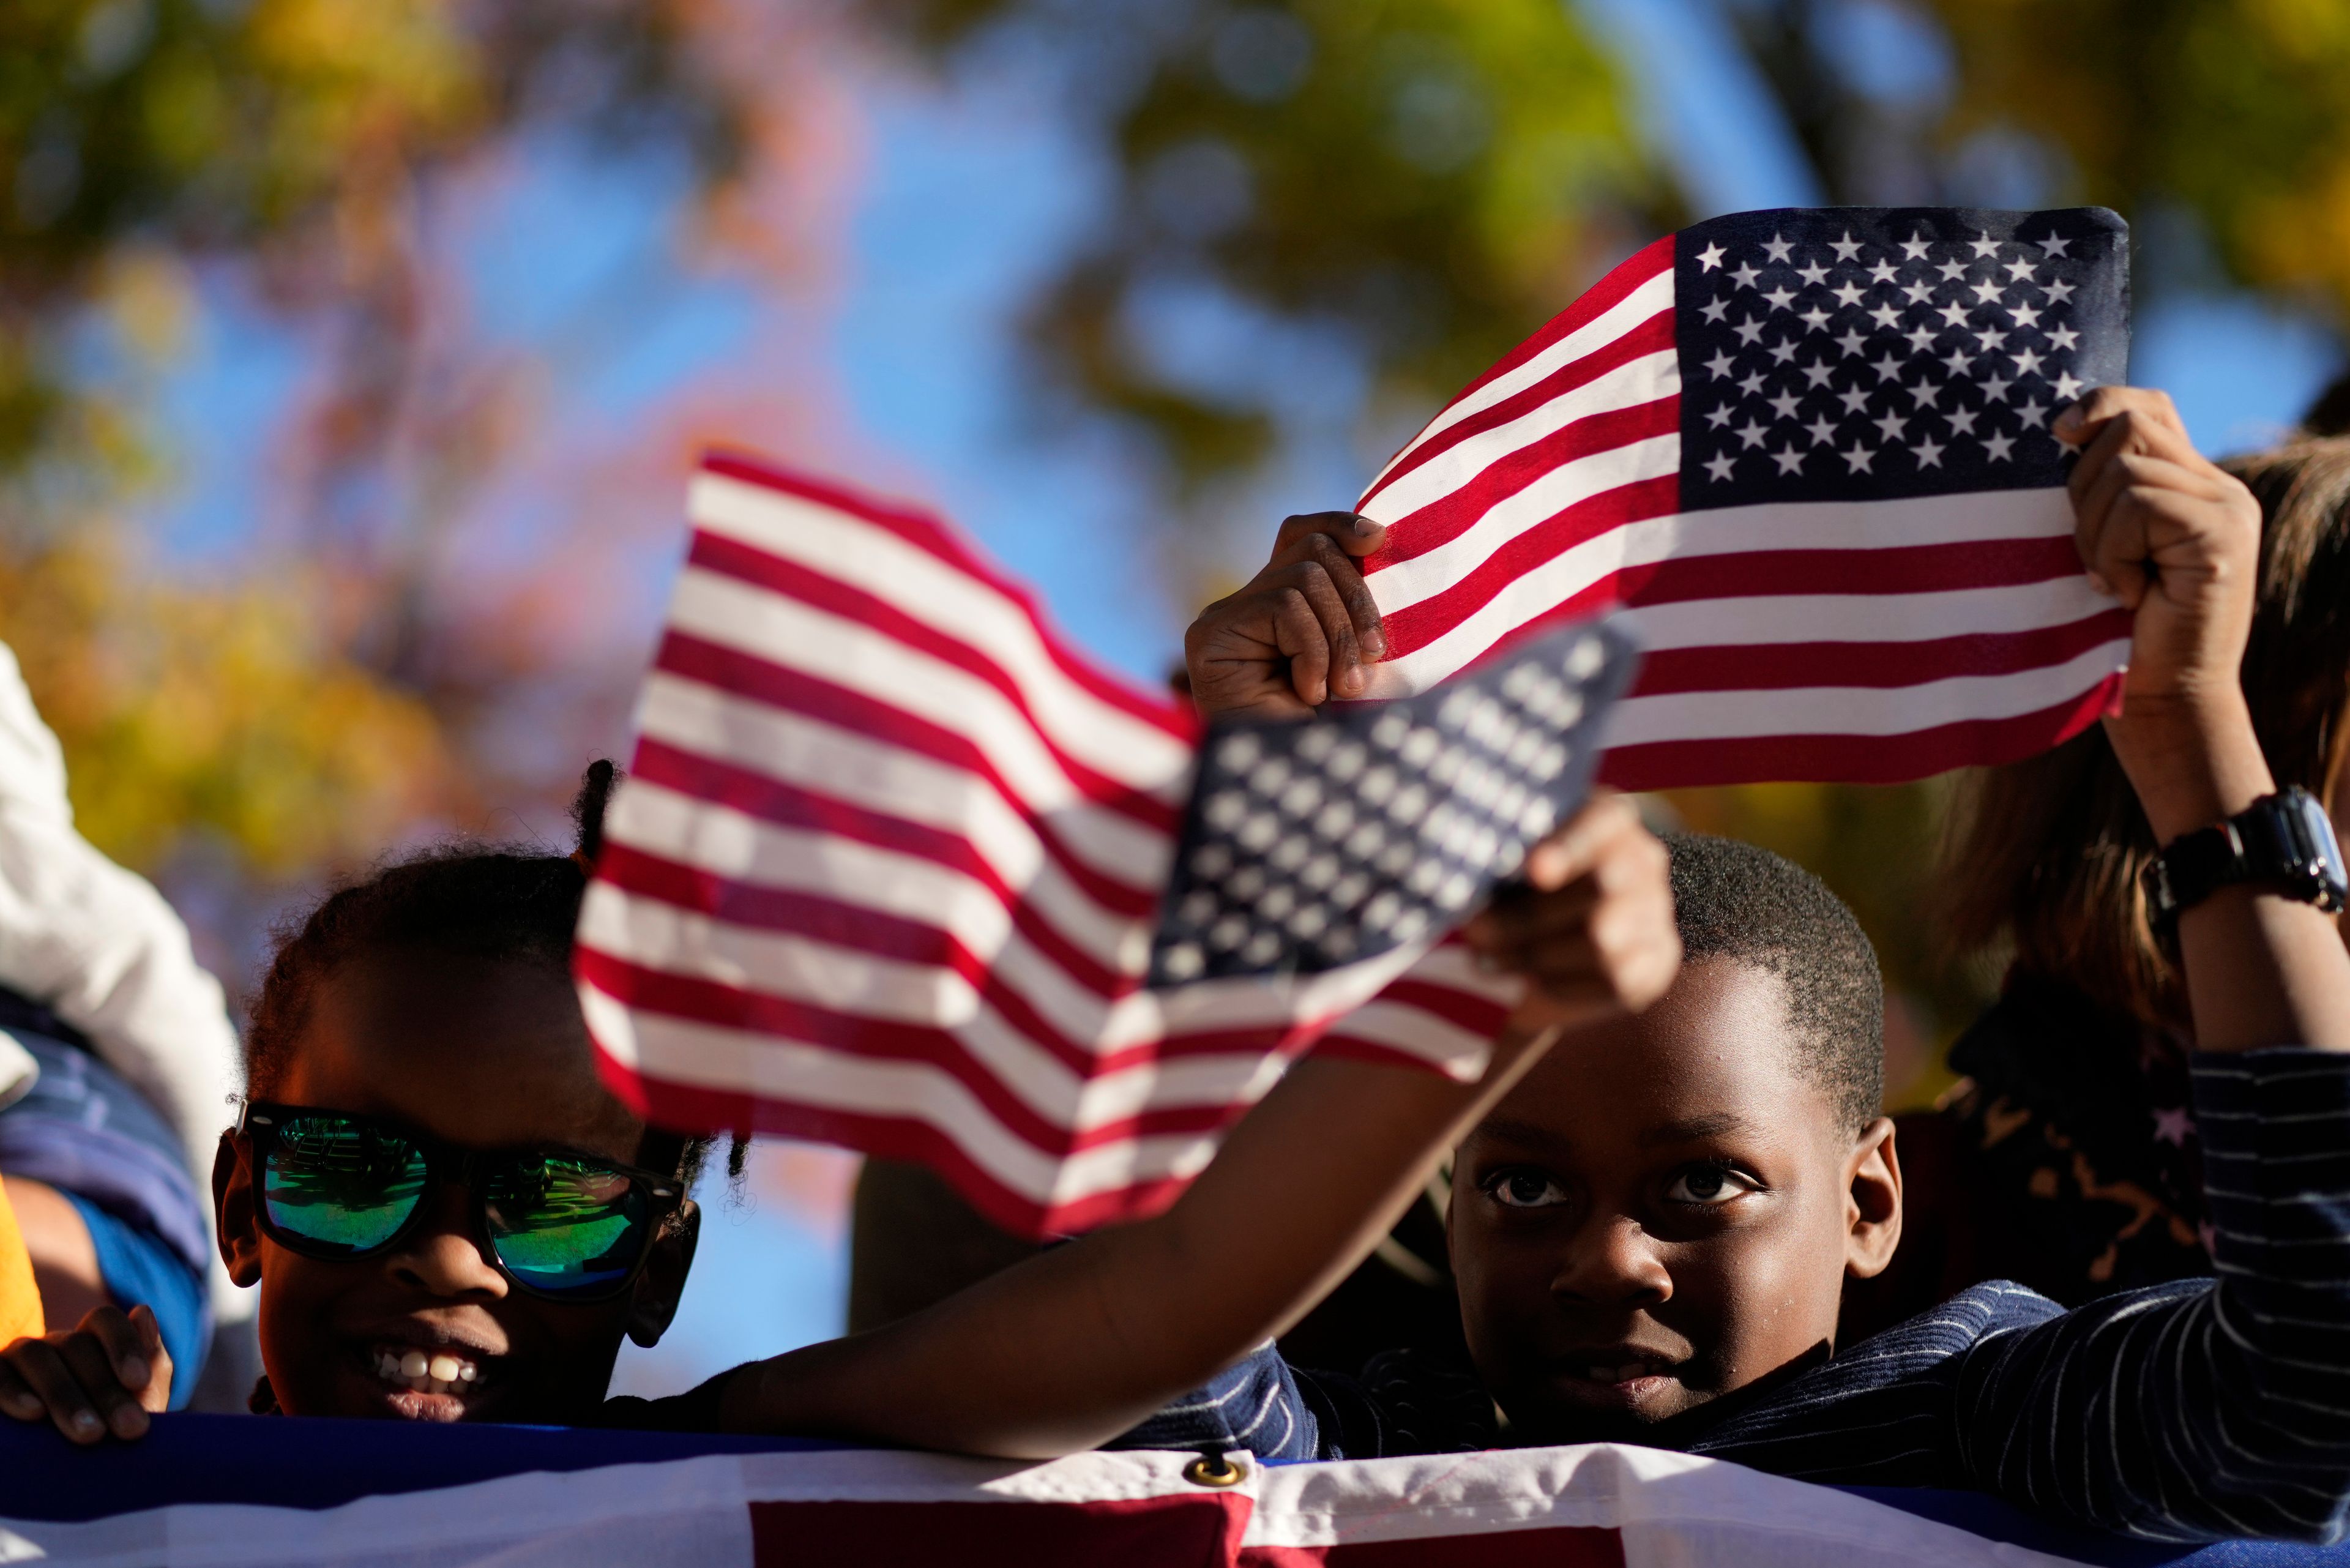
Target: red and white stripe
(885, 867)
(1872, 641)
(1591, 1507)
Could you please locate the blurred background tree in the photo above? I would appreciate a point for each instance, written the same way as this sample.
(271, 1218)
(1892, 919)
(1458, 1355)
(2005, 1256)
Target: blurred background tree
(291, 715)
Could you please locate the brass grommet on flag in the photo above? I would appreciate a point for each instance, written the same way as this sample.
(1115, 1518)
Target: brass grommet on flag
(1216, 1470)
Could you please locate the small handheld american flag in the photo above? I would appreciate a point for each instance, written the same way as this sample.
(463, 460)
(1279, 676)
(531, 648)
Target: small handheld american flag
(886, 870)
(1810, 451)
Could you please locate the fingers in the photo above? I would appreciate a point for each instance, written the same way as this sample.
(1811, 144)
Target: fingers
(1321, 547)
(104, 1377)
(41, 1368)
(126, 1348)
(1352, 534)
(2115, 514)
(1362, 609)
(1598, 932)
(1578, 845)
(2113, 425)
(16, 1395)
(141, 1360)
(93, 1369)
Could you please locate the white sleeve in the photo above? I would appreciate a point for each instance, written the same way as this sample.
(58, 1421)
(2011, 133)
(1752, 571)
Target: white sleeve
(100, 947)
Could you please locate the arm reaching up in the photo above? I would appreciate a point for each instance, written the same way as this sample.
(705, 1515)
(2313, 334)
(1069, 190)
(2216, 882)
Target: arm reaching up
(2177, 541)
(1075, 1346)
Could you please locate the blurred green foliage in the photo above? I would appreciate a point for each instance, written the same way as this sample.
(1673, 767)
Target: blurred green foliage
(144, 140)
(2235, 110)
(1428, 177)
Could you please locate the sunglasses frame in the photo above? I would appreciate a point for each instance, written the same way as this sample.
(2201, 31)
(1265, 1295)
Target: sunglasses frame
(259, 1123)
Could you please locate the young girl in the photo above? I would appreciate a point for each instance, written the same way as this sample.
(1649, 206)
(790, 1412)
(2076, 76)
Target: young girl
(449, 1219)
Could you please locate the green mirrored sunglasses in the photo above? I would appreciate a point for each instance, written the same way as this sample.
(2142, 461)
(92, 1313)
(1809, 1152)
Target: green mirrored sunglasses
(561, 1225)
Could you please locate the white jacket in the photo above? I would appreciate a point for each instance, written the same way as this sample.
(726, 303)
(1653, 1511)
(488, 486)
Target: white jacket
(100, 947)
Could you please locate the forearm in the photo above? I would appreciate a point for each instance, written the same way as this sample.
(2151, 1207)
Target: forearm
(1071, 1348)
(2262, 968)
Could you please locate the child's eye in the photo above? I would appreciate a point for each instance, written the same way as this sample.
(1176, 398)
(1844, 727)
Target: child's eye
(1525, 1190)
(1711, 1185)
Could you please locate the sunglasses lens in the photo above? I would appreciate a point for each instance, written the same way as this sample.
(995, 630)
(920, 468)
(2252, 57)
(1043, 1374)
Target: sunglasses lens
(341, 1186)
(566, 1227)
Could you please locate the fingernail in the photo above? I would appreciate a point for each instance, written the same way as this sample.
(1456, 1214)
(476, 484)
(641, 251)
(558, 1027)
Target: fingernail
(134, 1371)
(1350, 680)
(1487, 963)
(1375, 643)
(83, 1421)
(1363, 527)
(2097, 581)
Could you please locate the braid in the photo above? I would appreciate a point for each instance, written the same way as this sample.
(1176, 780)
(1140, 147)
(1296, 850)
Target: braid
(500, 903)
(587, 807)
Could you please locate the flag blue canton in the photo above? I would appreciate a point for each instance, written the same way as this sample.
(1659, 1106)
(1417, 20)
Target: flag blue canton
(1310, 845)
(1863, 353)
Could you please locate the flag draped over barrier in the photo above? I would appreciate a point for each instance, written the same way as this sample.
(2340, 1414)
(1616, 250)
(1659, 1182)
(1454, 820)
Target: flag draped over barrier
(205, 1491)
(1811, 450)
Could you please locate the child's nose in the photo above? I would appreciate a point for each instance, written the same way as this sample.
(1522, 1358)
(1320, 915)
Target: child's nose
(1612, 1262)
(443, 1257)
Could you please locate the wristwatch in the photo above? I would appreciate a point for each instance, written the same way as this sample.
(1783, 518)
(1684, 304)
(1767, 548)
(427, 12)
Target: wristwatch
(2285, 842)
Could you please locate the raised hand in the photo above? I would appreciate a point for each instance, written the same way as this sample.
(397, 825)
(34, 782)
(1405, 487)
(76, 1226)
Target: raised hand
(105, 1377)
(1594, 928)
(1302, 630)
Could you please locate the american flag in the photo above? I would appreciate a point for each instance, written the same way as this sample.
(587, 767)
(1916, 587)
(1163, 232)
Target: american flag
(886, 871)
(207, 1489)
(1311, 847)
(1810, 451)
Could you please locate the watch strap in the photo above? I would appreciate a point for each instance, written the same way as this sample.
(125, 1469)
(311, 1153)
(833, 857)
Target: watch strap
(2281, 840)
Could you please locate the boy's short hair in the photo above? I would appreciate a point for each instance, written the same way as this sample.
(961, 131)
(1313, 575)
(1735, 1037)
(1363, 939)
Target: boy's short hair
(1736, 901)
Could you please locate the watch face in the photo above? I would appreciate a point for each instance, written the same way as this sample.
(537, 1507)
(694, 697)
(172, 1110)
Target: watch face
(2322, 854)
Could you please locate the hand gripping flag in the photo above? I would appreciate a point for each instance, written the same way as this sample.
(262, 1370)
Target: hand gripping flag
(1810, 451)
(888, 864)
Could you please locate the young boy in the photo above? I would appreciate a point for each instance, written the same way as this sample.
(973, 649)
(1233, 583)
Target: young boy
(1651, 1230)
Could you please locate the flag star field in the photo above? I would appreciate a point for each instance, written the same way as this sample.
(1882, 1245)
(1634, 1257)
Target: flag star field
(1841, 354)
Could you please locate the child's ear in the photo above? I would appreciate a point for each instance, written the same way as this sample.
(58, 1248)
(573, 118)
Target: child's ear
(663, 1281)
(1872, 1206)
(240, 1234)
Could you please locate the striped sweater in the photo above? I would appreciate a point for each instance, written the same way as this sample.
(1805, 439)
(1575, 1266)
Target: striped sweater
(2200, 1410)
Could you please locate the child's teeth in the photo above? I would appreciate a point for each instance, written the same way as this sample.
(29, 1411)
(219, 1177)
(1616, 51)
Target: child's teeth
(439, 1372)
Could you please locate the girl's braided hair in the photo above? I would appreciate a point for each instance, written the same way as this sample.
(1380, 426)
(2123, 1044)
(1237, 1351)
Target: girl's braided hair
(499, 902)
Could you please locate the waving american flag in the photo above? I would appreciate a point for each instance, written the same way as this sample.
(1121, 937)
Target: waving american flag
(887, 867)
(1810, 450)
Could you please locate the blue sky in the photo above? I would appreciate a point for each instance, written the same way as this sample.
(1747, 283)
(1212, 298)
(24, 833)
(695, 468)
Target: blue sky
(970, 194)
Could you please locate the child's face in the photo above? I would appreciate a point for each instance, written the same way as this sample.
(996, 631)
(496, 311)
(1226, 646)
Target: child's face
(1663, 1212)
(484, 1054)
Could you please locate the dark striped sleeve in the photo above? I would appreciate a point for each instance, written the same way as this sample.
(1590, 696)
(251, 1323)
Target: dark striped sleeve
(1404, 1403)
(2198, 1414)
(2198, 1410)
(1254, 1404)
